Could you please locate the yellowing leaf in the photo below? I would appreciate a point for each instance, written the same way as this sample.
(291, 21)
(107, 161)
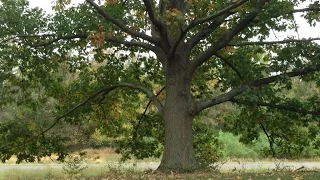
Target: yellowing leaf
(211, 6)
(228, 48)
(190, 1)
(110, 2)
(97, 38)
(176, 11)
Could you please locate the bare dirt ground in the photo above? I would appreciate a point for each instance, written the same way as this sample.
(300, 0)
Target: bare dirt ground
(233, 166)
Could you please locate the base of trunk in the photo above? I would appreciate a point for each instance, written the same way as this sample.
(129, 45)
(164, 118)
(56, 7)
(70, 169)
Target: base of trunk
(177, 167)
(178, 154)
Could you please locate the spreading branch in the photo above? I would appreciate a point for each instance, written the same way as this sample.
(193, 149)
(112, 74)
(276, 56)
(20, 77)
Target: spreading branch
(229, 64)
(201, 35)
(203, 57)
(309, 9)
(122, 26)
(59, 118)
(152, 16)
(35, 36)
(131, 43)
(222, 15)
(80, 36)
(67, 37)
(264, 81)
(286, 41)
(44, 43)
(206, 31)
(215, 15)
(157, 24)
(277, 106)
(276, 15)
(6, 40)
(104, 92)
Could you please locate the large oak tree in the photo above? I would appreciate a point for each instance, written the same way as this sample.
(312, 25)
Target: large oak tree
(189, 47)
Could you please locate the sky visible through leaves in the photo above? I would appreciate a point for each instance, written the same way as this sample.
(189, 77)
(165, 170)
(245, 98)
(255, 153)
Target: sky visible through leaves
(304, 31)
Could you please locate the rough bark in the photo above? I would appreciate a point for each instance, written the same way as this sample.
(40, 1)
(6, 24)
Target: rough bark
(179, 111)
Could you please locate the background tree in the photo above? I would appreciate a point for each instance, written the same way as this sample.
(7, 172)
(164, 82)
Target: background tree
(181, 45)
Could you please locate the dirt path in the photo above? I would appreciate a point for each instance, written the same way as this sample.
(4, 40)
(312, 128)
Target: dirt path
(223, 166)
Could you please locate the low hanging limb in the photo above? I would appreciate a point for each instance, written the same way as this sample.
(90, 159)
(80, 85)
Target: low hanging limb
(104, 91)
(270, 139)
(58, 119)
(135, 130)
(227, 96)
(284, 107)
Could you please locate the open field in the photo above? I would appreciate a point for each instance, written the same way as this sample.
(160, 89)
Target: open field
(107, 155)
(103, 164)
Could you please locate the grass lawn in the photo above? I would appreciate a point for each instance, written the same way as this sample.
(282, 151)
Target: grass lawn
(108, 169)
(103, 173)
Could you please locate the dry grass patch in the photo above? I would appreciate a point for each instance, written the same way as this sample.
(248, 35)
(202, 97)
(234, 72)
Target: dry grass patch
(99, 155)
(215, 175)
(102, 155)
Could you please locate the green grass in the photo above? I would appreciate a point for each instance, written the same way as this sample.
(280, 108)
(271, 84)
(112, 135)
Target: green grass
(234, 149)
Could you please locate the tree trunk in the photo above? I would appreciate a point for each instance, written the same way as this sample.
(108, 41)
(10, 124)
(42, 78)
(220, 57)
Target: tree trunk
(179, 109)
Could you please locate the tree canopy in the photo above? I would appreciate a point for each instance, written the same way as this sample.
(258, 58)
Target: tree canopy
(97, 63)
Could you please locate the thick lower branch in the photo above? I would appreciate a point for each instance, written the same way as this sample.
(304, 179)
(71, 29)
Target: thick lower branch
(104, 91)
(309, 9)
(260, 82)
(273, 42)
(55, 38)
(277, 106)
(203, 33)
(224, 41)
(216, 18)
(122, 26)
(215, 15)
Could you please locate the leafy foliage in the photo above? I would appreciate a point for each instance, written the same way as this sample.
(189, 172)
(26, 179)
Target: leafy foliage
(204, 52)
(208, 148)
(290, 133)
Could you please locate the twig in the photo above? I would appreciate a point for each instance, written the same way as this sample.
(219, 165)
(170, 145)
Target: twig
(135, 132)
(229, 64)
(270, 139)
(302, 167)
